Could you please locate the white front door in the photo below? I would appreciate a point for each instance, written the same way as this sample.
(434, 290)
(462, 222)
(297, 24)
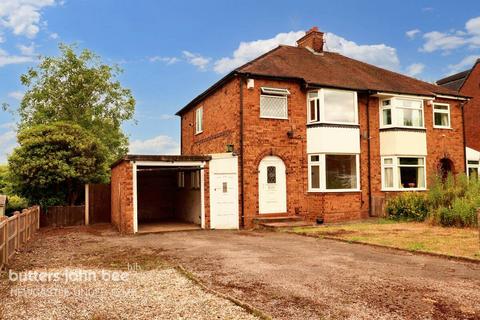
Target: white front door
(224, 193)
(272, 186)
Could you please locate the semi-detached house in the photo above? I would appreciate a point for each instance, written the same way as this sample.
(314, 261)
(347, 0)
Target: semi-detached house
(304, 134)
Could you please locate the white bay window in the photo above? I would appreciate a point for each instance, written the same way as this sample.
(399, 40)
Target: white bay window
(401, 112)
(400, 173)
(333, 172)
(332, 106)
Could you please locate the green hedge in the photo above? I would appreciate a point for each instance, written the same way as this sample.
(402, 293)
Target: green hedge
(452, 202)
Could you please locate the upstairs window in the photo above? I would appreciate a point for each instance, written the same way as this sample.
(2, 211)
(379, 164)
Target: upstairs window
(199, 120)
(274, 103)
(332, 106)
(399, 112)
(441, 115)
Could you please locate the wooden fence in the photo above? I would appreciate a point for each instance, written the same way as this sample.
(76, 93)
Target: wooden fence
(62, 216)
(16, 231)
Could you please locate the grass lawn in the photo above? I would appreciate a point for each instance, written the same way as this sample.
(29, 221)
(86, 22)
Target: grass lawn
(413, 236)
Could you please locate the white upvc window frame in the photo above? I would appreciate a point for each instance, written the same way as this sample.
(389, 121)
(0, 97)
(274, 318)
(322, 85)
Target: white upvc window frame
(396, 173)
(473, 166)
(274, 93)
(394, 107)
(323, 174)
(447, 112)
(199, 120)
(320, 107)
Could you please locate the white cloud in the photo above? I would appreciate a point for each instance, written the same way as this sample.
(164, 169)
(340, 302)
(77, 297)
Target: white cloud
(247, 51)
(54, 35)
(157, 145)
(453, 39)
(436, 40)
(464, 64)
(17, 95)
(22, 17)
(415, 69)
(377, 54)
(166, 60)
(8, 141)
(6, 58)
(196, 59)
(412, 33)
(27, 50)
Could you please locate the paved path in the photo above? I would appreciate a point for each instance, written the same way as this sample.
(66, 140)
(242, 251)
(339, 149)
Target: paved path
(296, 277)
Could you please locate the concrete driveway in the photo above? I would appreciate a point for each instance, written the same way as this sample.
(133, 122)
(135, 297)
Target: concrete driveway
(295, 277)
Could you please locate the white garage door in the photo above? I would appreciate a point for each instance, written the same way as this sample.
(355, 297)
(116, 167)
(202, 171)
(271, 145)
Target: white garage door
(224, 192)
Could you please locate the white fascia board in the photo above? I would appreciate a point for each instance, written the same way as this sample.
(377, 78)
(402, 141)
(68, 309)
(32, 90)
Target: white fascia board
(171, 163)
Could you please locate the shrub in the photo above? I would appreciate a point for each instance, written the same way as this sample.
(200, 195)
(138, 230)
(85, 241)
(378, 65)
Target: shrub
(408, 206)
(15, 203)
(455, 201)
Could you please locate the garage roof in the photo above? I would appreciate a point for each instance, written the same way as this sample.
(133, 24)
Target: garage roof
(156, 157)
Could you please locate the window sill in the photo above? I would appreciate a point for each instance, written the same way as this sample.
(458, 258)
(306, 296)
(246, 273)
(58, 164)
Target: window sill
(336, 191)
(444, 128)
(274, 118)
(333, 124)
(400, 128)
(404, 190)
(199, 132)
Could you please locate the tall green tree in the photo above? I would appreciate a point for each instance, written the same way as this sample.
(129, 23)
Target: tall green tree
(78, 88)
(54, 161)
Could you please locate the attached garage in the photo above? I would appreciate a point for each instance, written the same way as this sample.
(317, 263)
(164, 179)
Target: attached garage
(153, 193)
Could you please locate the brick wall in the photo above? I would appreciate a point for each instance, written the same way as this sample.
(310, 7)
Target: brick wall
(471, 88)
(264, 137)
(122, 197)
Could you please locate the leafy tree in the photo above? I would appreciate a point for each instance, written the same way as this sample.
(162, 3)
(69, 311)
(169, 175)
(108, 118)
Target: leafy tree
(54, 161)
(78, 88)
(3, 178)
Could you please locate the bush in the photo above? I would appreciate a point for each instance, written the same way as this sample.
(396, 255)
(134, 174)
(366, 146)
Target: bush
(410, 206)
(15, 203)
(452, 202)
(455, 201)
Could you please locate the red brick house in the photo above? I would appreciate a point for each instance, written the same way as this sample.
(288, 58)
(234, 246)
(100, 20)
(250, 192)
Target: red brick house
(467, 83)
(303, 134)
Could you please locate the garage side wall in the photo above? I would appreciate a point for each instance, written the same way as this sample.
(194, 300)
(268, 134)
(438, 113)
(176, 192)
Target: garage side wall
(122, 197)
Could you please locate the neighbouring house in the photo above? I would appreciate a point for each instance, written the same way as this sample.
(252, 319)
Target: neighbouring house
(468, 83)
(299, 133)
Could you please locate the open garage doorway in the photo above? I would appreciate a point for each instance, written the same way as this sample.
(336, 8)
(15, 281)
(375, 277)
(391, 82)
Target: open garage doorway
(169, 198)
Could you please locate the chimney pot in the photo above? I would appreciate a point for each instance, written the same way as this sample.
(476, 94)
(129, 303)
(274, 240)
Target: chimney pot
(313, 39)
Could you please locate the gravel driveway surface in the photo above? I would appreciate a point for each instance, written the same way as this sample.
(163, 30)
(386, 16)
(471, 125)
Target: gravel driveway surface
(284, 275)
(295, 277)
(98, 280)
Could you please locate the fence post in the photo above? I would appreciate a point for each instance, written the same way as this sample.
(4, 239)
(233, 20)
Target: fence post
(5, 239)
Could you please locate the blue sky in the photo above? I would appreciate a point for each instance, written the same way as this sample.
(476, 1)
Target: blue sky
(173, 50)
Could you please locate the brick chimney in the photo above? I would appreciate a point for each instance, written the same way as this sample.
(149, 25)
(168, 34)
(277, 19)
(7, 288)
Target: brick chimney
(313, 39)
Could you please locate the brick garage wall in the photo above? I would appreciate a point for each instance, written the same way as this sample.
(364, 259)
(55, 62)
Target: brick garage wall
(471, 88)
(122, 197)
